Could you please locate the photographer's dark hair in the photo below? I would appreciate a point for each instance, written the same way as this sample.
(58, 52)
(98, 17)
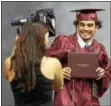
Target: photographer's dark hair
(98, 23)
(30, 48)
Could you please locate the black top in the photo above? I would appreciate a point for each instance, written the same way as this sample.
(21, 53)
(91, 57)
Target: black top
(41, 95)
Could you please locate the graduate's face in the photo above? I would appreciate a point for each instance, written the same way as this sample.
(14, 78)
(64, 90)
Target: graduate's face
(86, 29)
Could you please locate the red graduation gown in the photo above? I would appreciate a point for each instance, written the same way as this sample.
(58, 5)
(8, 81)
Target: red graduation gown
(80, 92)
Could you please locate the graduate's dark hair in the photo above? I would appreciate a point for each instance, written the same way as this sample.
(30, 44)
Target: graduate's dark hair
(29, 50)
(98, 23)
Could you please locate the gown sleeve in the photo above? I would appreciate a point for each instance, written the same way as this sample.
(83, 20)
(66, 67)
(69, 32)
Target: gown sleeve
(105, 63)
(58, 48)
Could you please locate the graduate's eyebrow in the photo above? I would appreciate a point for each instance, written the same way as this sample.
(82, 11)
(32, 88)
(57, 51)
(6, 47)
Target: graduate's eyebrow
(82, 23)
(90, 24)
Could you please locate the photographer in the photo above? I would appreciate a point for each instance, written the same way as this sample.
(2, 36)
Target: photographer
(32, 74)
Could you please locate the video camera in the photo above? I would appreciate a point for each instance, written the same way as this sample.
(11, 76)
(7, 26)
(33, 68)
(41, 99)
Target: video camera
(45, 16)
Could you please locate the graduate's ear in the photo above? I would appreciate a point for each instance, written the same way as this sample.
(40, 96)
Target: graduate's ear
(97, 28)
(76, 28)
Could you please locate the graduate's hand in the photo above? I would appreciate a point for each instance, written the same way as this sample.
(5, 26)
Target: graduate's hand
(67, 73)
(100, 72)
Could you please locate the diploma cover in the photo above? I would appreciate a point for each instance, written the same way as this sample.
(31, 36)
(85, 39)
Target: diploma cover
(83, 65)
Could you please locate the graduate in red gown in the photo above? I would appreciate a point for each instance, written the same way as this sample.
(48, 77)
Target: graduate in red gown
(81, 92)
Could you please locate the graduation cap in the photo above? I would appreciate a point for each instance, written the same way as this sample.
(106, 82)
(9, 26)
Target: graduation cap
(87, 14)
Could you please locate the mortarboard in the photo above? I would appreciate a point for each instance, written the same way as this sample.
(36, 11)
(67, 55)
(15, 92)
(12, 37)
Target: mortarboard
(87, 14)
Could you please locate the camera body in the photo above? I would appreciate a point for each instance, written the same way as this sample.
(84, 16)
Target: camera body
(45, 16)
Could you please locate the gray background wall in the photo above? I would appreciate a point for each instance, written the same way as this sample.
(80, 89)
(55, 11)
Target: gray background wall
(64, 20)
